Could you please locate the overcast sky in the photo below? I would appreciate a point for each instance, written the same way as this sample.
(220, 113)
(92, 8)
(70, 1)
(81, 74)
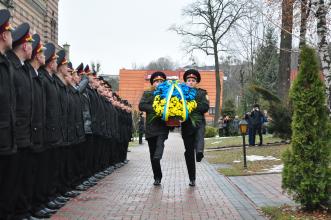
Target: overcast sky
(120, 33)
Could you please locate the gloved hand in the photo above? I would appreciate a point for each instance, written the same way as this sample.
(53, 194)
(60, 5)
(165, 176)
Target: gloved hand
(199, 156)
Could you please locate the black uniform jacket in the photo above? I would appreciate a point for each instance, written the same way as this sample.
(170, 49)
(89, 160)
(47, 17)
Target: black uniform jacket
(64, 102)
(39, 110)
(197, 115)
(52, 134)
(7, 110)
(24, 100)
(154, 126)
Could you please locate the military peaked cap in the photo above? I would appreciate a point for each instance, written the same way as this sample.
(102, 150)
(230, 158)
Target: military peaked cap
(191, 73)
(50, 53)
(61, 60)
(21, 35)
(157, 76)
(4, 21)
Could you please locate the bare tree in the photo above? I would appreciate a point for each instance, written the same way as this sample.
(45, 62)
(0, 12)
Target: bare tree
(209, 21)
(305, 6)
(321, 9)
(163, 63)
(284, 71)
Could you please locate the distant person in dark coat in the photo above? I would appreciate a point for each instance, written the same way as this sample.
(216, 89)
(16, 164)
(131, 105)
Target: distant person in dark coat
(257, 121)
(250, 128)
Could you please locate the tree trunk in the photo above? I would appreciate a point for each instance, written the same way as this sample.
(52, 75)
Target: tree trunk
(303, 26)
(284, 72)
(218, 86)
(323, 46)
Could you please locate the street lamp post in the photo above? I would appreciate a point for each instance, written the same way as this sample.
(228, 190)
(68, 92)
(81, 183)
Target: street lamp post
(243, 130)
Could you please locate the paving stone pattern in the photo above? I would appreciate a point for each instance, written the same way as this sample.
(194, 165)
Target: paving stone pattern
(128, 193)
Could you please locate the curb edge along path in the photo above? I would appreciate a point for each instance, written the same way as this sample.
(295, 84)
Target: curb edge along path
(128, 193)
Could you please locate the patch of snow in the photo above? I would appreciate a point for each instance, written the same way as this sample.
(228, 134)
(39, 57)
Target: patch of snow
(256, 158)
(275, 168)
(217, 142)
(236, 161)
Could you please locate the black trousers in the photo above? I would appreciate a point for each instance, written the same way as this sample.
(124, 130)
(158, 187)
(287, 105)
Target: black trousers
(40, 193)
(190, 156)
(26, 180)
(257, 129)
(89, 154)
(194, 144)
(141, 134)
(9, 168)
(53, 173)
(64, 170)
(156, 147)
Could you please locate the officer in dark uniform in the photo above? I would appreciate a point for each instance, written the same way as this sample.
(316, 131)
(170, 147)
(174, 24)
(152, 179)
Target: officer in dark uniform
(22, 50)
(81, 80)
(67, 126)
(156, 129)
(53, 135)
(193, 133)
(8, 156)
(38, 161)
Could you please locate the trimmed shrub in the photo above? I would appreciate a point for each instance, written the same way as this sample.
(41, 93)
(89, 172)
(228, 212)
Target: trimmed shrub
(210, 132)
(306, 174)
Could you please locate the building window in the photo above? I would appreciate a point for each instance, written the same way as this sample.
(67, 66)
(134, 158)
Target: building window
(211, 110)
(53, 30)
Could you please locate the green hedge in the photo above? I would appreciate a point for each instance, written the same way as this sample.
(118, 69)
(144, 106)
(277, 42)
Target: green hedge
(210, 132)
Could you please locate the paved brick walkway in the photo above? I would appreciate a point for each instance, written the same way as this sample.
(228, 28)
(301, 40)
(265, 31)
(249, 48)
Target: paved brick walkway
(263, 190)
(128, 193)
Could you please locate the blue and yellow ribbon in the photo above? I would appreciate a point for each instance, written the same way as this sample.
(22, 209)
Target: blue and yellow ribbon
(174, 85)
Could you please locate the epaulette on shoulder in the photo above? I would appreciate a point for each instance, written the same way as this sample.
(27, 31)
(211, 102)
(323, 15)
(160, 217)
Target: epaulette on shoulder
(202, 90)
(150, 89)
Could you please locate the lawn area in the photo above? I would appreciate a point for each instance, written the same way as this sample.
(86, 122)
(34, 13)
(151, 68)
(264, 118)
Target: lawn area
(290, 213)
(230, 161)
(134, 143)
(235, 141)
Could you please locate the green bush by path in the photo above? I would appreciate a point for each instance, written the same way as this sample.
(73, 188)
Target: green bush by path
(210, 132)
(306, 173)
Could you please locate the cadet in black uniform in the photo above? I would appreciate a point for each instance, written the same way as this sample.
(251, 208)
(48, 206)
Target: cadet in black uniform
(38, 123)
(53, 137)
(193, 133)
(22, 50)
(156, 130)
(8, 156)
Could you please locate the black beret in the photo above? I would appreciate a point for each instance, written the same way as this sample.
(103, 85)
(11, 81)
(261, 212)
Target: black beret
(61, 59)
(156, 76)
(50, 52)
(191, 73)
(21, 35)
(4, 21)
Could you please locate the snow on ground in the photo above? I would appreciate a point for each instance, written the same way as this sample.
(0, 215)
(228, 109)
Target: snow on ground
(275, 168)
(236, 161)
(256, 158)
